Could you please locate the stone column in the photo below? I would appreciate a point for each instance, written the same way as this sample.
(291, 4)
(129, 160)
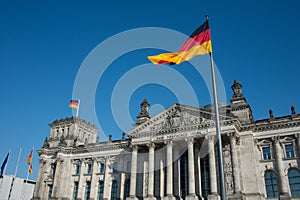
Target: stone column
(212, 168)
(235, 164)
(176, 171)
(81, 181)
(56, 183)
(198, 176)
(191, 170)
(282, 182)
(107, 179)
(94, 181)
(133, 173)
(150, 194)
(169, 181)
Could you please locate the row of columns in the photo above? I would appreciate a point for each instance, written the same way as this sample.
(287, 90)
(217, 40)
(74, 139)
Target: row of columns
(191, 170)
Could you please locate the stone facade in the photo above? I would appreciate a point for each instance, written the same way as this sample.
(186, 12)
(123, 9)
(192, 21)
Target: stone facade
(173, 156)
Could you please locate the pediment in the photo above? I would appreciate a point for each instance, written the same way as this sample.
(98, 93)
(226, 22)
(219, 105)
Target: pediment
(176, 116)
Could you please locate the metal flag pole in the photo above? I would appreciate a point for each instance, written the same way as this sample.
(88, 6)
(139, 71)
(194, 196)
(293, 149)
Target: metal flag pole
(77, 110)
(218, 128)
(24, 188)
(14, 177)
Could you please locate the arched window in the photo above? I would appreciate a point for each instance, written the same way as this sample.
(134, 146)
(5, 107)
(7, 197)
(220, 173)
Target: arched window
(114, 190)
(126, 189)
(294, 181)
(100, 190)
(271, 184)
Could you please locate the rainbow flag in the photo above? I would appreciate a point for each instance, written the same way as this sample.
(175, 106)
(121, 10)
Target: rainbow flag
(199, 43)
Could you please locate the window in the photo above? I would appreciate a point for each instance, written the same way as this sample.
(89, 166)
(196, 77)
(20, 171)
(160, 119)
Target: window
(102, 167)
(271, 184)
(87, 190)
(127, 189)
(77, 169)
(89, 169)
(294, 181)
(114, 190)
(75, 190)
(266, 153)
(50, 187)
(128, 166)
(115, 167)
(184, 187)
(205, 176)
(289, 151)
(52, 170)
(100, 190)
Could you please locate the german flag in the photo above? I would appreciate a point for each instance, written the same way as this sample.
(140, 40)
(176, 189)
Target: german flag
(199, 43)
(29, 158)
(74, 104)
(30, 169)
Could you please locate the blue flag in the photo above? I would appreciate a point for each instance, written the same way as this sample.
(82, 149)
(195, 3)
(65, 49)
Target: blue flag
(4, 165)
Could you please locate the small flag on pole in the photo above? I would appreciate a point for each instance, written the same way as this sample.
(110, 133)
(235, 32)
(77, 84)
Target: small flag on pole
(30, 169)
(29, 162)
(74, 104)
(4, 165)
(29, 158)
(198, 43)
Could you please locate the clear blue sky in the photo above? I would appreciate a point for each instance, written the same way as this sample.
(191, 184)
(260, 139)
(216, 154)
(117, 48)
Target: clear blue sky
(44, 43)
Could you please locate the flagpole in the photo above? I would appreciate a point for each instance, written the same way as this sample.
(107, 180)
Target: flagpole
(77, 110)
(14, 177)
(24, 190)
(218, 129)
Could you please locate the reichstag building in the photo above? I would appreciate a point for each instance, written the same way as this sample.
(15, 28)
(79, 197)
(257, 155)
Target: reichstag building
(173, 156)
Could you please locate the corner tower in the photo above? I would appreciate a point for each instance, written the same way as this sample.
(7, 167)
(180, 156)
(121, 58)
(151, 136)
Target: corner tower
(239, 106)
(71, 132)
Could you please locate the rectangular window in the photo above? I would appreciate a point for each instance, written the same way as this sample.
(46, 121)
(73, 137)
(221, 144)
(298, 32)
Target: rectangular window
(100, 190)
(266, 153)
(87, 190)
(129, 166)
(77, 169)
(75, 191)
(89, 169)
(289, 151)
(102, 167)
(115, 167)
(52, 170)
(50, 187)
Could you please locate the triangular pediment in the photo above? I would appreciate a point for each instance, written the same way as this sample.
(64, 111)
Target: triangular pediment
(176, 116)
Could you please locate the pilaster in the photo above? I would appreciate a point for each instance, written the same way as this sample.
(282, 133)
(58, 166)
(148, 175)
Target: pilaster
(169, 193)
(235, 163)
(150, 195)
(282, 182)
(212, 167)
(191, 170)
(132, 194)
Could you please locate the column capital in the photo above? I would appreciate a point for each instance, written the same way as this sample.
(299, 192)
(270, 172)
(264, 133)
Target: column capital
(189, 140)
(168, 142)
(232, 135)
(276, 139)
(151, 145)
(210, 138)
(134, 147)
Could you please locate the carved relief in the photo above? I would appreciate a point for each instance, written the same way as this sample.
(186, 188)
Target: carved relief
(177, 119)
(228, 169)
